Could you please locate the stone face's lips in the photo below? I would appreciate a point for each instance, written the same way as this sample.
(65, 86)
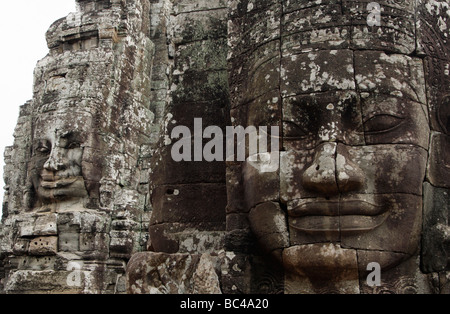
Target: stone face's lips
(343, 225)
(57, 182)
(314, 207)
(337, 216)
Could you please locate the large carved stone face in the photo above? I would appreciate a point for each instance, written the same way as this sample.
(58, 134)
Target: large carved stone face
(356, 103)
(355, 137)
(57, 160)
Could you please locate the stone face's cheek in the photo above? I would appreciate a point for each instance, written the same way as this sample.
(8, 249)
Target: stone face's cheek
(390, 169)
(400, 232)
(269, 224)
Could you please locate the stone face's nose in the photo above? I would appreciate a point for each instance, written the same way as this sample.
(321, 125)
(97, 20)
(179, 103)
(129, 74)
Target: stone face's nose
(56, 160)
(320, 177)
(332, 172)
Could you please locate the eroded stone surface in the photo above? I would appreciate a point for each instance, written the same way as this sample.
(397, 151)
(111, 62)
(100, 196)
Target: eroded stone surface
(159, 273)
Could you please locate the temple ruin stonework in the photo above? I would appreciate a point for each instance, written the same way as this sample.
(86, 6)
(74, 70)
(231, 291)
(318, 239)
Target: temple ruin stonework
(359, 200)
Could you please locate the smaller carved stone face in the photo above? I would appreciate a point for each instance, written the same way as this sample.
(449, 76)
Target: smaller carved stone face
(56, 173)
(61, 173)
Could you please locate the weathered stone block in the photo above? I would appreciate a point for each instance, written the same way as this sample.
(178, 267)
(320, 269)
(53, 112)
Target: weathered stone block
(320, 71)
(94, 245)
(372, 68)
(209, 55)
(162, 239)
(236, 221)
(121, 244)
(153, 273)
(202, 205)
(395, 34)
(186, 6)
(435, 238)
(252, 24)
(84, 222)
(198, 25)
(316, 26)
(254, 73)
(199, 86)
(69, 242)
(439, 162)
(21, 246)
(43, 246)
(46, 225)
(235, 189)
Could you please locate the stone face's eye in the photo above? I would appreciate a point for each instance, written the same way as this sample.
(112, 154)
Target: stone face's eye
(293, 131)
(43, 148)
(73, 145)
(382, 123)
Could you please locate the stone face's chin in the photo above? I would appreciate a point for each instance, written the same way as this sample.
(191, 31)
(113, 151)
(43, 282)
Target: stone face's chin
(321, 261)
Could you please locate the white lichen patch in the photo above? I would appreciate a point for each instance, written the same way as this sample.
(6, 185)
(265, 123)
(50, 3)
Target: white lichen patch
(437, 7)
(329, 132)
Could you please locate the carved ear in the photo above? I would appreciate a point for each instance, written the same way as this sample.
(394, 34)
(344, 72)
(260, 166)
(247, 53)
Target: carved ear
(443, 114)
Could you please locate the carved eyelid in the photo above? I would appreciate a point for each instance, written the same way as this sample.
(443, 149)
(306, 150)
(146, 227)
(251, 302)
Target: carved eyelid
(394, 123)
(73, 144)
(43, 146)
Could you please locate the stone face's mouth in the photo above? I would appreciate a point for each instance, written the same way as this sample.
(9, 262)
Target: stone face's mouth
(53, 182)
(344, 217)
